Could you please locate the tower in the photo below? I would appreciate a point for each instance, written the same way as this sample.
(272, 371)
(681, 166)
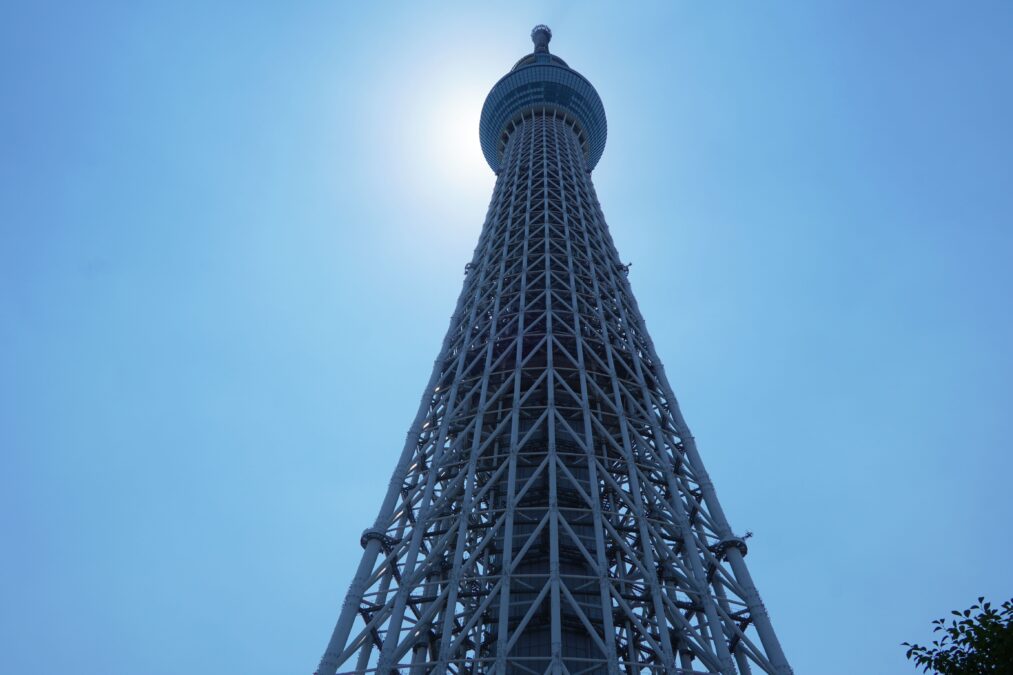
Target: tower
(550, 512)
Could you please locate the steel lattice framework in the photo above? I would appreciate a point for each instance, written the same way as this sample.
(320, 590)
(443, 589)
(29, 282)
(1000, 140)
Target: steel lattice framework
(550, 512)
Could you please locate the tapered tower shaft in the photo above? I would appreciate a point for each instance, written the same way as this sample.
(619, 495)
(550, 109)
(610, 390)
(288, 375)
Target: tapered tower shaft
(550, 512)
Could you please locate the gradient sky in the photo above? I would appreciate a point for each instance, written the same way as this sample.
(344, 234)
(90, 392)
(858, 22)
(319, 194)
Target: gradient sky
(232, 235)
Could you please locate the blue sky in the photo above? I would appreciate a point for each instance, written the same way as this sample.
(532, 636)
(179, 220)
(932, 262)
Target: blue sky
(232, 235)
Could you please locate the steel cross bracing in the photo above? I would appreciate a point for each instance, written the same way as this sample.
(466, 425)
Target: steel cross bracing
(550, 513)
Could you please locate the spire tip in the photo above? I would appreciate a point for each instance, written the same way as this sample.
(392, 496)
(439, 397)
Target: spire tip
(541, 35)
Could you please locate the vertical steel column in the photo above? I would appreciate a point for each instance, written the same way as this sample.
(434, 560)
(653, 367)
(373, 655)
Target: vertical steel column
(757, 610)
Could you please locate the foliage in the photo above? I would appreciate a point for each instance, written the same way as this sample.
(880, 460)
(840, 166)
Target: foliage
(978, 641)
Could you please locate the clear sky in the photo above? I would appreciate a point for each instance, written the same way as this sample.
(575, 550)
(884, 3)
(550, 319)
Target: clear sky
(232, 235)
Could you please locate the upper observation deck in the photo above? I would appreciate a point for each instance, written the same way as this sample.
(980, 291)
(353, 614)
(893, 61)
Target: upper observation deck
(539, 81)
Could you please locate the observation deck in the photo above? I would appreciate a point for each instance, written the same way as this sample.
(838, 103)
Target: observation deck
(542, 81)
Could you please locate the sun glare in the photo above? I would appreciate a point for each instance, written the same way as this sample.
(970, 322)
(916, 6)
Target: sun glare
(439, 161)
(451, 133)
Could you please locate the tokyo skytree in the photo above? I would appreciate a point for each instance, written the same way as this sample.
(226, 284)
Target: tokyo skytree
(550, 512)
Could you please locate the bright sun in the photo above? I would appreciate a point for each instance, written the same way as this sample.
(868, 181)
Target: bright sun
(452, 129)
